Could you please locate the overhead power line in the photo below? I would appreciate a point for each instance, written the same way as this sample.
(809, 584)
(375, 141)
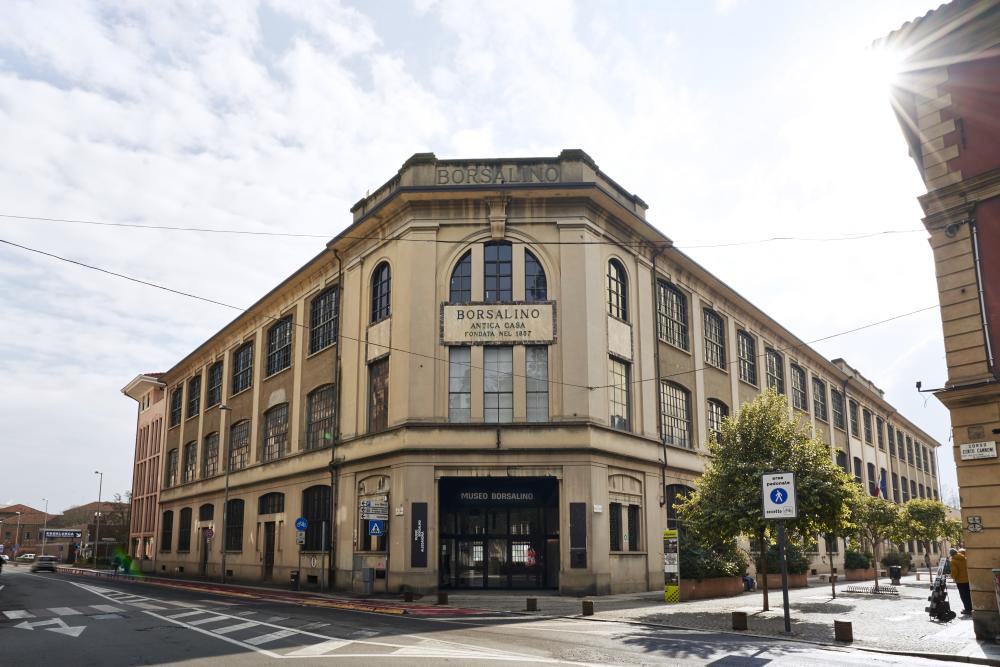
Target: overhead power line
(245, 232)
(433, 357)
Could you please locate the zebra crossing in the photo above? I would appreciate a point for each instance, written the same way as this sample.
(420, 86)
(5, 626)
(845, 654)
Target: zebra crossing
(93, 610)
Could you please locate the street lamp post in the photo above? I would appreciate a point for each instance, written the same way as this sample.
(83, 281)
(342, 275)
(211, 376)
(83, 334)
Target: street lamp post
(17, 536)
(45, 525)
(225, 501)
(97, 537)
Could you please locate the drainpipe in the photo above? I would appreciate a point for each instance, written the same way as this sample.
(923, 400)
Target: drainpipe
(990, 361)
(659, 408)
(332, 567)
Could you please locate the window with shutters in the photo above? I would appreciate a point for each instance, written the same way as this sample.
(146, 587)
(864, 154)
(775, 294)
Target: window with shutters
(319, 417)
(324, 312)
(715, 339)
(775, 370)
(746, 347)
(671, 315)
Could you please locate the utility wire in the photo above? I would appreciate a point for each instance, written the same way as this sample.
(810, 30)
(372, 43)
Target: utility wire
(210, 230)
(448, 361)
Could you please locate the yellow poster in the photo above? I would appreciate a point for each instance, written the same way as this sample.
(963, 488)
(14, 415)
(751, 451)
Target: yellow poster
(671, 567)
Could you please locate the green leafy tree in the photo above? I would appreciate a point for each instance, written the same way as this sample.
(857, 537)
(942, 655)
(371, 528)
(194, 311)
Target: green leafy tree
(763, 438)
(924, 520)
(875, 520)
(953, 531)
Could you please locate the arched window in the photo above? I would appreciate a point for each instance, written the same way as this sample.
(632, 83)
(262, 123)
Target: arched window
(167, 532)
(460, 290)
(184, 531)
(535, 286)
(206, 512)
(239, 445)
(675, 415)
(717, 411)
(617, 290)
(497, 281)
(323, 313)
(234, 525)
(673, 494)
(842, 462)
(319, 417)
(316, 510)
(271, 503)
(210, 457)
(275, 432)
(381, 292)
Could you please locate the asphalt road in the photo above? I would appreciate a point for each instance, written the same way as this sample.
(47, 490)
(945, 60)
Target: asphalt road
(53, 619)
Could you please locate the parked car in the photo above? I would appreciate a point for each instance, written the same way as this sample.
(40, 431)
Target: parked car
(44, 563)
(25, 558)
(5, 558)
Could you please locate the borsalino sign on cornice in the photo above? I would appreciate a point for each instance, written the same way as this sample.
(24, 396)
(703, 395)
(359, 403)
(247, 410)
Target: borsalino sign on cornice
(498, 323)
(496, 173)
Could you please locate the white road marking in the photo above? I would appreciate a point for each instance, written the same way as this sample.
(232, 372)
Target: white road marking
(210, 619)
(313, 626)
(235, 628)
(274, 619)
(318, 649)
(219, 602)
(270, 637)
(186, 614)
(105, 617)
(61, 626)
(18, 613)
(64, 611)
(147, 605)
(106, 608)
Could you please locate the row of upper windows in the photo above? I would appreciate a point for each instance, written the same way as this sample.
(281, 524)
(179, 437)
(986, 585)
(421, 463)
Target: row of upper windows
(323, 314)
(498, 282)
(878, 484)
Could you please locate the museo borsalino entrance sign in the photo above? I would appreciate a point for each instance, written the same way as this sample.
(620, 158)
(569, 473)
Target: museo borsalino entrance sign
(498, 324)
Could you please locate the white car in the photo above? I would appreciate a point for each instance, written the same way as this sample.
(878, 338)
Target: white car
(5, 558)
(25, 558)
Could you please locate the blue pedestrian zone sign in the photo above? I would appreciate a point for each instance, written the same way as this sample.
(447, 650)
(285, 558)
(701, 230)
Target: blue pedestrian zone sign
(301, 523)
(376, 527)
(778, 495)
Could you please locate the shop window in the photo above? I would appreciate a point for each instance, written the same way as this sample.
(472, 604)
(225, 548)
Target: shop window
(316, 510)
(619, 393)
(671, 315)
(746, 348)
(213, 396)
(166, 534)
(234, 525)
(715, 339)
(717, 411)
(319, 416)
(194, 396)
(381, 292)
(617, 290)
(800, 396)
(460, 289)
(536, 359)
(210, 457)
(459, 384)
(239, 445)
(497, 271)
(535, 285)
(275, 432)
(184, 531)
(775, 370)
(498, 384)
(819, 398)
(242, 368)
(378, 395)
(323, 315)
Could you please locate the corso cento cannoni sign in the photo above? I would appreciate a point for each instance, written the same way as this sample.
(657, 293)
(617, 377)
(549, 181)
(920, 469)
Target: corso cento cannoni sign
(498, 323)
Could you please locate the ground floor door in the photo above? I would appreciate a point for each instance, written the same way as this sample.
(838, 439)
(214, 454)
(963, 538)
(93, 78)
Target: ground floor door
(499, 533)
(268, 549)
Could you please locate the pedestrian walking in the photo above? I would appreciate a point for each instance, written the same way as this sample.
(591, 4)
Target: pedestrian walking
(960, 573)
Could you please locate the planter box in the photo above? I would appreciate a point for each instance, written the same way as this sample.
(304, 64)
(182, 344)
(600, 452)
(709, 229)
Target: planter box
(860, 575)
(794, 581)
(718, 587)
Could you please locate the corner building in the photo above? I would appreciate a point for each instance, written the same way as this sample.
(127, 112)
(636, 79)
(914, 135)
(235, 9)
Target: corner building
(511, 365)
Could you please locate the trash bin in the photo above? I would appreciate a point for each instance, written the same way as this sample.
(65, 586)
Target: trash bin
(895, 571)
(295, 579)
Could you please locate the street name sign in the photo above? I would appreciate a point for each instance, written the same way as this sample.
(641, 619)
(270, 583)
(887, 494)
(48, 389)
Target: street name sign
(972, 451)
(53, 534)
(778, 493)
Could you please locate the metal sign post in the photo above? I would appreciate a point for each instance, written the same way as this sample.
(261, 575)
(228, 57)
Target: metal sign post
(780, 503)
(300, 539)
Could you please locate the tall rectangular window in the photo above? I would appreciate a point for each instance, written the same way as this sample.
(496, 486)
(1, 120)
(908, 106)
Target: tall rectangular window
(872, 482)
(837, 408)
(190, 461)
(671, 315)
(213, 395)
(800, 397)
(619, 393)
(176, 400)
(715, 339)
(933, 467)
(498, 384)
(323, 314)
(909, 450)
(855, 427)
(172, 464)
(242, 367)
(536, 361)
(615, 525)
(497, 265)
(747, 350)
(279, 346)
(319, 417)
(899, 444)
(895, 488)
(184, 530)
(459, 384)
(892, 439)
(904, 485)
(717, 411)
(633, 528)
(858, 471)
(775, 370)
(316, 511)
(234, 525)
(210, 458)
(378, 395)
(275, 432)
(675, 415)
(879, 435)
(866, 417)
(239, 445)
(194, 396)
(167, 531)
(819, 398)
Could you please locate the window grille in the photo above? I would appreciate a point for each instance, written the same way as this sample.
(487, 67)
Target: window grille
(242, 367)
(537, 383)
(461, 280)
(381, 292)
(279, 346)
(498, 385)
(535, 285)
(617, 290)
(715, 339)
(633, 528)
(323, 314)
(239, 445)
(206, 512)
(459, 384)
(675, 415)
(615, 523)
(271, 503)
(619, 394)
(210, 459)
(320, 407)
(671, 315)
(275, 432)
(747, 350)
(316, 510)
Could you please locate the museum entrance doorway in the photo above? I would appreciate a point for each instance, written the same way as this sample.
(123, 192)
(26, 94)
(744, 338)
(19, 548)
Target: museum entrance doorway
(499, 532)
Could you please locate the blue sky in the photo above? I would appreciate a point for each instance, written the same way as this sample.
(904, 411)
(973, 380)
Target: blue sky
(733, 120)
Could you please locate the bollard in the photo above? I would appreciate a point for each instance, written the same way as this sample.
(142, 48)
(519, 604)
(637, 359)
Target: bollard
(408, 596)
(531, 604)
(739, 620)
(918, 576)
(442, 598)
(843, 631)
(588, 608)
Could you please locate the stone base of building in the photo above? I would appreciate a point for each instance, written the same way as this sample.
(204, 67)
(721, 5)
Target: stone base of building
(986, 624)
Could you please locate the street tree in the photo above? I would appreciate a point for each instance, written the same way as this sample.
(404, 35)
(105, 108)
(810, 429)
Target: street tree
(875, 520)
(764, 438)
(924, 520)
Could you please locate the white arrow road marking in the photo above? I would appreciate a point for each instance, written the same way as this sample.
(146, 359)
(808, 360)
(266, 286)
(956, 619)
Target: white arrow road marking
(64, 629)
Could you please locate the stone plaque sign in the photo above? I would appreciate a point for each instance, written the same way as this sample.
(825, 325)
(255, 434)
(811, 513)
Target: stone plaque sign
(498, 324)
(978, 450)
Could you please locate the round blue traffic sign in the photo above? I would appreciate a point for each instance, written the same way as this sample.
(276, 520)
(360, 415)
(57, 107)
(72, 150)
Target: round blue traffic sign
(301, 523)
(779, 496)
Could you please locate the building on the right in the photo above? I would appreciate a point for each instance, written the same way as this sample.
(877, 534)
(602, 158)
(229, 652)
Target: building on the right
(947, 99)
